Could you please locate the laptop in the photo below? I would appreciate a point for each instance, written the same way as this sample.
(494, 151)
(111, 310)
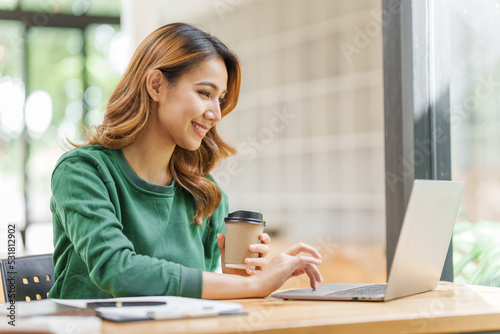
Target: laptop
(420, 253)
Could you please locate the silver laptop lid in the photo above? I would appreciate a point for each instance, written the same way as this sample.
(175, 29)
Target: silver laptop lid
(425, 237)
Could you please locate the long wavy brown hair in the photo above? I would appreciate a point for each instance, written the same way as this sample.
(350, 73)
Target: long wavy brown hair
(175, 49)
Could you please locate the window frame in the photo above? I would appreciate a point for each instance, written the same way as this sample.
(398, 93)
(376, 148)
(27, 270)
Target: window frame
(416, 63)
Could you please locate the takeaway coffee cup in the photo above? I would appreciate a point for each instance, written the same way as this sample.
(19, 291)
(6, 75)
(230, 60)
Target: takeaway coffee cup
(242, 230)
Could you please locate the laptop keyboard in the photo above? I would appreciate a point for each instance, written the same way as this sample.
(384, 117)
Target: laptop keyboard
(367, 290)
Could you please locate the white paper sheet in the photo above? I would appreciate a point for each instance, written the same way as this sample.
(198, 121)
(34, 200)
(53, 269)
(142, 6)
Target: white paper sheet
(176, 308)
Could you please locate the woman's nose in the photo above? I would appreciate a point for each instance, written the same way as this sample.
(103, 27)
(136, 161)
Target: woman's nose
(213, 115)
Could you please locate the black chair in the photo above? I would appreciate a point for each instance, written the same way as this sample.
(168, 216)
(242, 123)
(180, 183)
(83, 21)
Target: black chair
(27, 278)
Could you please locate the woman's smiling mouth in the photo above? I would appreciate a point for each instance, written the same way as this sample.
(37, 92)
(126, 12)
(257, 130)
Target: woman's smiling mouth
(201, 130)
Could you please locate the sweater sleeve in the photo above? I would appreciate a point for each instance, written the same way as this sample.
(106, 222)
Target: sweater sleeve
(89, 218)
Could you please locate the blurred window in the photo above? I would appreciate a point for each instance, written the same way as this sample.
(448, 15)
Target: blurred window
(8, 4)
(73, 7)
(475, 124)
(59, 61)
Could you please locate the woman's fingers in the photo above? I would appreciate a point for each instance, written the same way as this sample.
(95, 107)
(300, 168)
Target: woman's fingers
(256, 261)
(285, 265)
(308, 264)
(251, 272)
(264, 238)
(302, 247)
(298, 272)
(262, 249)
(313, 273)
(307, 260)
(312, 281)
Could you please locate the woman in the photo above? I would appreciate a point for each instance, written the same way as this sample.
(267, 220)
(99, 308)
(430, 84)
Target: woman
(135, 211)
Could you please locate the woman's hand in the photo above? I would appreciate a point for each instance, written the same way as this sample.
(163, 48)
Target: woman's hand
(283, 266)
(287, 264)
(259, 262)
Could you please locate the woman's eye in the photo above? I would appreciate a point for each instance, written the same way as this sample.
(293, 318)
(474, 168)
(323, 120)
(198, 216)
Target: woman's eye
(207, 95)
(204, 93)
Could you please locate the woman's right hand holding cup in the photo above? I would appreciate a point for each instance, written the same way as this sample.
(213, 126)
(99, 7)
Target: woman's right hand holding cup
(296, 260)
(243, 230)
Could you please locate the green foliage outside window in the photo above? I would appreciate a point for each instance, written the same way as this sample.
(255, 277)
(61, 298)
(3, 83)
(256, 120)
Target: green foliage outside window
(476, 253)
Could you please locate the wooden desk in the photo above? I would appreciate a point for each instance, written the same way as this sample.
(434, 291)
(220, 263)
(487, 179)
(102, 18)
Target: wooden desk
(451, 308)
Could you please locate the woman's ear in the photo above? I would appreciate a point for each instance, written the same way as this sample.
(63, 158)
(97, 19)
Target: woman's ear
(154, 80)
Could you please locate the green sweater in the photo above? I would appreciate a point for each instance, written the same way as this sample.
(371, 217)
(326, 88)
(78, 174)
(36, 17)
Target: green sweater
(118, 235)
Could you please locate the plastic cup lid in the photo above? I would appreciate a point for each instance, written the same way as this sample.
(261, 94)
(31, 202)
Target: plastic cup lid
(246, 217)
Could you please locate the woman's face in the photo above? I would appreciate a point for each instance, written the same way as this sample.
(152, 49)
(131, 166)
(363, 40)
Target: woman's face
(192, 106)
